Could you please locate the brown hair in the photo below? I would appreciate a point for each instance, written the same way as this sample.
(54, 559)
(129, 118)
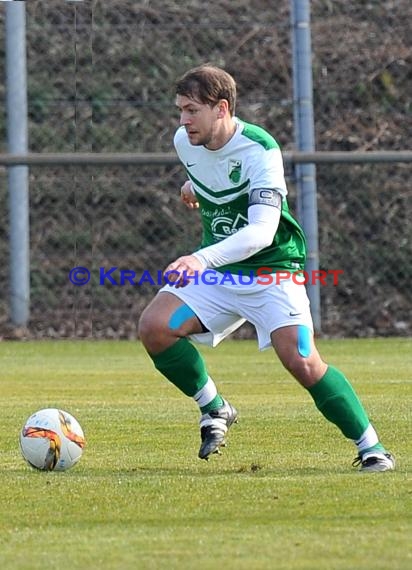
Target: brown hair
(208, 84)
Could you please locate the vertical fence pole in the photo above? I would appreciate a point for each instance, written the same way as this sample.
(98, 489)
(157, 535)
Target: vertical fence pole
(16, 105)
(305, 141)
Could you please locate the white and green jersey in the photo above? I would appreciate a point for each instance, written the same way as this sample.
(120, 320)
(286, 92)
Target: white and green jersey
(223, 179)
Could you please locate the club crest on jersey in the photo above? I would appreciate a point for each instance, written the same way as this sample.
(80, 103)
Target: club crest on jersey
(235, 167)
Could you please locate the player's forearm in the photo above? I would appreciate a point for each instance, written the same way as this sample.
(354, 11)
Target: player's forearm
(257, 235)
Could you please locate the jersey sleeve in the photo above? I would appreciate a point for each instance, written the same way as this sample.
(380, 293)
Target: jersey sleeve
(179, 142)
(266, 171)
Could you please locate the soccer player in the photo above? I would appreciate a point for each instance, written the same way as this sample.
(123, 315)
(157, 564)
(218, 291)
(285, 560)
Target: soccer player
(256, 250)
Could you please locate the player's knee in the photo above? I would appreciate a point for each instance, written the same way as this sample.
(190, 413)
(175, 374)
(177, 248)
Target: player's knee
(306, 370)
(297, 366)
(149, 327)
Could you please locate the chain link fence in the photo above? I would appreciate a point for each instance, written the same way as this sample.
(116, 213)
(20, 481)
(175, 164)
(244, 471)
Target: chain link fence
(101, 77)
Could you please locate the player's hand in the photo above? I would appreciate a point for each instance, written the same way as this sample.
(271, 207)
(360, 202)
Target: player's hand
(188, 197)
(184, 267)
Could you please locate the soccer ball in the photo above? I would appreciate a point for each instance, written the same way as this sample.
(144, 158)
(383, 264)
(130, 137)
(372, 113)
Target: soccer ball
(52, 440)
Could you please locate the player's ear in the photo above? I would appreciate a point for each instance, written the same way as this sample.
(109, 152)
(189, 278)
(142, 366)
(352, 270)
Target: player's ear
(222, 108)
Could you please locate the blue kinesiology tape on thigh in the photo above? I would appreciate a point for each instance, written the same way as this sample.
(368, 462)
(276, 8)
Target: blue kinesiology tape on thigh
(181, 314)
(304, 335)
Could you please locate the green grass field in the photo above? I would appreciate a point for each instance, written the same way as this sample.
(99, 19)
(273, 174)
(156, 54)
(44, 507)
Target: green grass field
(283, 494)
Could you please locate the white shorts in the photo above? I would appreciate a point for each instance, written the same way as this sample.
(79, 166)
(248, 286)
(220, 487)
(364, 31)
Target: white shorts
(223, 308)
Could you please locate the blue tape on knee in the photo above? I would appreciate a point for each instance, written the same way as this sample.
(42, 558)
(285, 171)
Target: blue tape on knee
(182, 314)
(304, 335)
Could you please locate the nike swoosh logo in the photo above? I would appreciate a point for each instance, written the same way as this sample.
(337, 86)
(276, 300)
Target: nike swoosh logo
(190, 165)
(294, 314)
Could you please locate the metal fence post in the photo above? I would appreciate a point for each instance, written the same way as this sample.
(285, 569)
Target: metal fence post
(305, 141)
(16, 105)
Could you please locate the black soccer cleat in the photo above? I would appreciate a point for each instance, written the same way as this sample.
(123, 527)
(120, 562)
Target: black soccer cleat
(213, 428)
(374, 462)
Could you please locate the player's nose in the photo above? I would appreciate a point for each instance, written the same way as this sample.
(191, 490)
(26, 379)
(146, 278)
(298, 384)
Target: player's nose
(184, 119)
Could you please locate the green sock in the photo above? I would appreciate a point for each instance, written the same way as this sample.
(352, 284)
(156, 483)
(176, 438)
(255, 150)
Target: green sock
(337, 401)
(376, 447)
(213, 405)
(183, 365)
